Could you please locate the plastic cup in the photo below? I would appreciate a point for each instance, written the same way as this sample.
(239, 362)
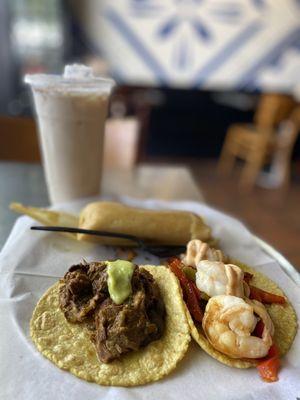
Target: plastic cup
(71, 111)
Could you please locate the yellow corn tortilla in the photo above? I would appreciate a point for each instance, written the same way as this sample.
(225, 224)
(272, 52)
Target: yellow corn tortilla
(283, 316)
(69, 347)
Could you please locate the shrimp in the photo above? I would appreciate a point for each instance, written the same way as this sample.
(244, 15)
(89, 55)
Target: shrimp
(228, 323)
(197, 250)
(216, 278)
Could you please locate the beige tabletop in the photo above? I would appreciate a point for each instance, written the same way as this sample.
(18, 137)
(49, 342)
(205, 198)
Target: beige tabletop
(166, 182)
(25, 183)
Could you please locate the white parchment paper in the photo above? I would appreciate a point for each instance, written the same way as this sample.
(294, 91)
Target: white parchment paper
(32, 261)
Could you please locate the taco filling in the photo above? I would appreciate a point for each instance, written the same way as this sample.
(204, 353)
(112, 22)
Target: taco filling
(119, 302)
(232, 319)
(113, 323)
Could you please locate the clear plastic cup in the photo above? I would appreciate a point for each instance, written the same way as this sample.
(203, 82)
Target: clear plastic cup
(71, 111)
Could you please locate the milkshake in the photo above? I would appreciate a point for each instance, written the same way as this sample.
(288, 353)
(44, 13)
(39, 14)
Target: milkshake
(71, 111)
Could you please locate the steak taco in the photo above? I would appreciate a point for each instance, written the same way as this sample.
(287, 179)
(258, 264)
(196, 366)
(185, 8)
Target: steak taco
(236, 314)
(113, 323)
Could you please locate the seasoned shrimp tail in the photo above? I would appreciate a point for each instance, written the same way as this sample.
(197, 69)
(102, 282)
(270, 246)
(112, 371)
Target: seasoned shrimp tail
(197, 251)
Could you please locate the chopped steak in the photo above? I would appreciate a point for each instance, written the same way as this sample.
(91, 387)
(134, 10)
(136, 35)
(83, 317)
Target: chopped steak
(78, 296)
(97, 274)
(118, 329)
(135, 323)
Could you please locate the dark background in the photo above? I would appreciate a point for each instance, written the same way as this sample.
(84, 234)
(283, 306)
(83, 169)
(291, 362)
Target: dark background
(183, 123)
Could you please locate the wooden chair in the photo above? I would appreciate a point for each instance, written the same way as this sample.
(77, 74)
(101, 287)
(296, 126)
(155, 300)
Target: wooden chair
(252, 143)
(280, 168)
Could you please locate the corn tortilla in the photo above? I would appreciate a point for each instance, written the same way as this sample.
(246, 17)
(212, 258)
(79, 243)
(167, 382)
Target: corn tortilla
(283, 316)
(69, 347)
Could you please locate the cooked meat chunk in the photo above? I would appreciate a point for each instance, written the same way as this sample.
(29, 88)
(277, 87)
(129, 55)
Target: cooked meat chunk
(116, 329)
(78, 295)
(135, 323)
(97, 274)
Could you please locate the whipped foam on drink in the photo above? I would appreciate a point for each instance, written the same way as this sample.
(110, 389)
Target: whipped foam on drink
(71, 111)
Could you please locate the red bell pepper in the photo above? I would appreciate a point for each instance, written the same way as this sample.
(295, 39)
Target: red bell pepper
(273, 352)
(175, 266)
(189, 290)
(268, 368)
(265, 297)
(193, 303)
(258, 331)
(196, 290)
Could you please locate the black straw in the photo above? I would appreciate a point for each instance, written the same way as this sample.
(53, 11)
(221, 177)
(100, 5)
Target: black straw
(156, 249)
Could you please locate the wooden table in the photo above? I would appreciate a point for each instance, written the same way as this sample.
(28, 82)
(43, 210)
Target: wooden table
(25, 183)
(148, 181)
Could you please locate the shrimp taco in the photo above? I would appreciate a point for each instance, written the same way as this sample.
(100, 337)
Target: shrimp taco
(113, 323)
(236, 314)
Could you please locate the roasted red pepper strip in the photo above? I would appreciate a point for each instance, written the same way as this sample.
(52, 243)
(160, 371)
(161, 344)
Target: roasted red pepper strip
(268, 368)
(196, 291)
(174, 264)
(265, 297)
(188, 289)
(193, 303)
(273, 352)
(258, 331)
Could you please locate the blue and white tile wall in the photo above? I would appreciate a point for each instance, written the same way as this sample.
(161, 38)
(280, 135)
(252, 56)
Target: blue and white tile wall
(242, 44)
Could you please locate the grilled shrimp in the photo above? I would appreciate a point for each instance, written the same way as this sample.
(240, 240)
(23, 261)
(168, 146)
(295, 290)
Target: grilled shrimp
(228, 323)
(197, 250)
(215, 278)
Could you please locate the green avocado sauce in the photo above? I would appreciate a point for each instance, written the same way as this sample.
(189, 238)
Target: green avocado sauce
(119, 280)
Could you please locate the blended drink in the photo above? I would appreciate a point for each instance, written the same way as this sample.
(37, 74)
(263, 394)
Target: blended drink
(71, 112)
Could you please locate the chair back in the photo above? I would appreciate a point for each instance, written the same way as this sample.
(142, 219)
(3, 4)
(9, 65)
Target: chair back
(295, 116)
(289, 130)
(272, 109)
(285, 141)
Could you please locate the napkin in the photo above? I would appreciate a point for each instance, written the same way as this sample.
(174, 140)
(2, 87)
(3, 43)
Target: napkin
(31, 261)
